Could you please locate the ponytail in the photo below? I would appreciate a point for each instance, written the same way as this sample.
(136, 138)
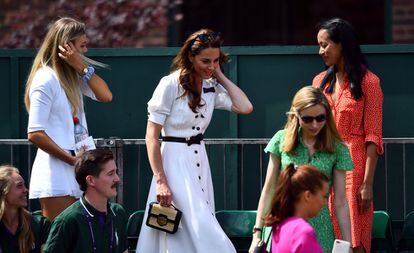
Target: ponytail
(291, 183)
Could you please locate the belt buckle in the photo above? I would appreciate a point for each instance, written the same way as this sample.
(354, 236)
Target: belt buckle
(188, 140)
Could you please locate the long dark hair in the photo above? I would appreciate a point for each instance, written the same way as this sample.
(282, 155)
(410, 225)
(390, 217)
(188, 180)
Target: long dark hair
(291, 183)
(341, 32)
(195, 43)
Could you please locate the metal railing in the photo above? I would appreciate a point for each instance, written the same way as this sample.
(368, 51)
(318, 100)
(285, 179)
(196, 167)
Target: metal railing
(242, 157)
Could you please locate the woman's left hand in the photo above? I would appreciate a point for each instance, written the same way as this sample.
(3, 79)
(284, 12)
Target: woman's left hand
(365, 196)
(70, 55)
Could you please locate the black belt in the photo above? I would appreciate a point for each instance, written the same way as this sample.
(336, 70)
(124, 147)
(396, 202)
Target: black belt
(190, 141)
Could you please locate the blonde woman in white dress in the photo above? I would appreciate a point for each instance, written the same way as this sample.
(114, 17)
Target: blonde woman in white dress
(59, 78)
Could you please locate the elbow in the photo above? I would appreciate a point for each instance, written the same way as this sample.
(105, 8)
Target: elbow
(246, 110)
(106, 99)
(33, 137)
(149, 140)
(249, 109)
(30, 137)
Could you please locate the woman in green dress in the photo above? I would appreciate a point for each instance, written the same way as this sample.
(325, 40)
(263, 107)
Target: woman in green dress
(310, 137)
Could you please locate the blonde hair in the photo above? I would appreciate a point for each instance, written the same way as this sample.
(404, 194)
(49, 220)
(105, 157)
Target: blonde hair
(63, 31)
(306, 97)
(26, 237)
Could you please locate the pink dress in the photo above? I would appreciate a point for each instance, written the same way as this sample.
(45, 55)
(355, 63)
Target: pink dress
(294, 235)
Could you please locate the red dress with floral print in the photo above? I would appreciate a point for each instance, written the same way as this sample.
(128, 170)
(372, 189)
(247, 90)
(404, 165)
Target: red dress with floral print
(358, 122)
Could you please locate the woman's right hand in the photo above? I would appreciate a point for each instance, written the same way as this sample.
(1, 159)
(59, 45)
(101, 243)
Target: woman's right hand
(164, 195)
(70, 54)
(256, 239)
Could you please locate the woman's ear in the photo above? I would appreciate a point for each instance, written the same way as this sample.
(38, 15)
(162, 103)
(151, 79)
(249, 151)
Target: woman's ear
(307, 196)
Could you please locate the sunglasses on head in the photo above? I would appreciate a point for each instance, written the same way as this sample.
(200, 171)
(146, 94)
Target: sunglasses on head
(309, 119)
(209, 37)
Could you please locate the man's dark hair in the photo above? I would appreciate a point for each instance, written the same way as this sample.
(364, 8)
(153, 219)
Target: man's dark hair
(90, 163)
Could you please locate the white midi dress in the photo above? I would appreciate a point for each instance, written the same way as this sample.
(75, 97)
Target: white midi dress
(187, 170)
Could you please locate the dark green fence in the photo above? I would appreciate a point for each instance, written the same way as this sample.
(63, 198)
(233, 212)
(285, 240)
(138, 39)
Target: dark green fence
(269, 75)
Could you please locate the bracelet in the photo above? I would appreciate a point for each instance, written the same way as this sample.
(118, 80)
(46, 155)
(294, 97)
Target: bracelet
(255, 229)
(88, 73)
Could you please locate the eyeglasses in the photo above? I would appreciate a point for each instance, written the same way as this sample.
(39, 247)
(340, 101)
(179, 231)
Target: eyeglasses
(209, 37)
(309, 119)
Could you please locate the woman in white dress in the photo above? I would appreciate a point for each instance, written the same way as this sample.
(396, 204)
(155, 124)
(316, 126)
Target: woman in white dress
(59, 78)
(181, 107)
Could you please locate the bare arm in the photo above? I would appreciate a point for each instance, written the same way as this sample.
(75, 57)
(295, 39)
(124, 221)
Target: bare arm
(100, 89)
(265, 201)
(365, 193)
(164, 195)
(241, 103)
(341, 204)
(97, 84)
(45, 143)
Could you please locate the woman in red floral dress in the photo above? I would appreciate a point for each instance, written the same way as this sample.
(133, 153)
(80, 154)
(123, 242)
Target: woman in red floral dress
(356, 98)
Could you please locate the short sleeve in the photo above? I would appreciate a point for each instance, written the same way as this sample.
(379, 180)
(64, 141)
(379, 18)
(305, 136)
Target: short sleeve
(60, 236)
(275, 144)
(159, 106)
(343, 158)
(41, 95)
(373, 111)
(223, 100)
(86, 90)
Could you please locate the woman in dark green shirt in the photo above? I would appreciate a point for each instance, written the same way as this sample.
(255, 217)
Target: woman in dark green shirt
(310, 137)
(20, 231)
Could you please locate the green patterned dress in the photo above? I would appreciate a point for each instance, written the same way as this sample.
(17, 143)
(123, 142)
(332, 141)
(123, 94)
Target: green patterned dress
(326, 162)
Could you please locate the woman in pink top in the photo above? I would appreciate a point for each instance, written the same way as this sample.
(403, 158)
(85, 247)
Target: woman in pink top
(300, 194)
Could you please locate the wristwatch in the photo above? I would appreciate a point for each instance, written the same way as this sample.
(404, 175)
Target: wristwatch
(87, 73)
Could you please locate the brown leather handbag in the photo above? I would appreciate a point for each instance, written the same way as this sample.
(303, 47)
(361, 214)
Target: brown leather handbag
(164, 218)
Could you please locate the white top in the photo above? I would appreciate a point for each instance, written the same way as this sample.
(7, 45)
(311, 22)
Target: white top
(187, 170)
(170, 109)
(50, 111)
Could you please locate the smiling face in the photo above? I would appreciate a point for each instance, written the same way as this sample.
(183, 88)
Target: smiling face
(17, 196)
(316, 112)
(205, 62)
(107, 180)
(330, 51)
(81, 44)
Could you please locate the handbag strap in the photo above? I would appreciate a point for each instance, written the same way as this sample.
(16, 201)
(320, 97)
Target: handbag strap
(169, 206)
(268, 238)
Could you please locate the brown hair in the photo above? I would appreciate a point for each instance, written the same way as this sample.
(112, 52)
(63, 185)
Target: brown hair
(291, 183)
(195, 43)
(306, 97)
(91, 163)
(26, 237)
